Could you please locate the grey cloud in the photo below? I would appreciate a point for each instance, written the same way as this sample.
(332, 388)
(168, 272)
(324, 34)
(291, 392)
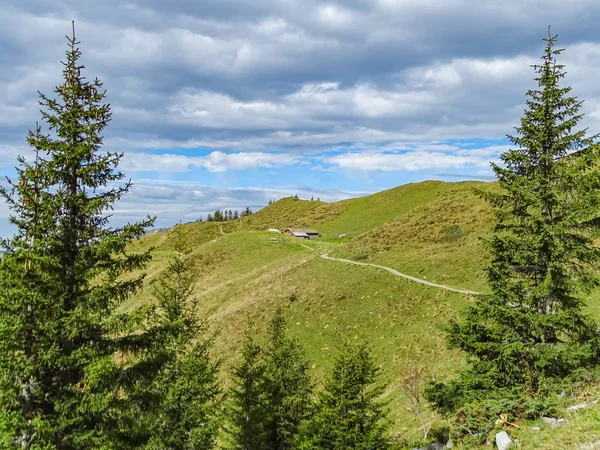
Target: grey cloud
(234, 74)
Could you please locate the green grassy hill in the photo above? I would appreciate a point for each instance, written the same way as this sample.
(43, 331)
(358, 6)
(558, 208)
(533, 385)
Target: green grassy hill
(429, 230)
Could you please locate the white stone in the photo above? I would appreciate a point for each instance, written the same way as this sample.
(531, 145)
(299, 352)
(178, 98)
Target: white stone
(503, 440)
(581, 406)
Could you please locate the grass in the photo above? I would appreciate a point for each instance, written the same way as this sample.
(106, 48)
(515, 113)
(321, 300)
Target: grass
(430, 230)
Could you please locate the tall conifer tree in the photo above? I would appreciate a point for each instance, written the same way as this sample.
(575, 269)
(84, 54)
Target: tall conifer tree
(349, 414)
(61, 278)
(186, 411)
(272, 396)
(288, 385)
(532, 328)
(250, 409)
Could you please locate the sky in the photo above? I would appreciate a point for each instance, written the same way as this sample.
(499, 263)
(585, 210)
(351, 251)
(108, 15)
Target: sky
(225, 104)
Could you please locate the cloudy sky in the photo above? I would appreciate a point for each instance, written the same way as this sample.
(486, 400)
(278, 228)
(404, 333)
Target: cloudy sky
(229, 103)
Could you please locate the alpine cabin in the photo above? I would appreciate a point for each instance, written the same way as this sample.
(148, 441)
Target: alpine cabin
(304, 233)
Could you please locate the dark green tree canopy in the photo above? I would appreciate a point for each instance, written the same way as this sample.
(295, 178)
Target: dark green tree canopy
(62, 277)
(532, 328)
(349, 414)
(250, 413)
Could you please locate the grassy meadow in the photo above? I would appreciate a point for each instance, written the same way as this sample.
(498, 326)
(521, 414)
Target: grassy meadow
(431, 230)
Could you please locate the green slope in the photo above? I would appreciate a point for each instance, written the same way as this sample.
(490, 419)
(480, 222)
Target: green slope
(430, 230)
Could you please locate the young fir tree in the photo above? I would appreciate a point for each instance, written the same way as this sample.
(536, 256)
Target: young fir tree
(532, 329)
(288, 385)
(186, 412)
(62, 277)
(249, 408)
(349, 414)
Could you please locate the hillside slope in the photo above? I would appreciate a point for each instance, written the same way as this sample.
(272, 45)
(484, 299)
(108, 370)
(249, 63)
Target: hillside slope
(430, 230)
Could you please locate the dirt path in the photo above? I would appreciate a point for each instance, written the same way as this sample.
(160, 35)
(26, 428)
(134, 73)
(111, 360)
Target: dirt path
(398, 274)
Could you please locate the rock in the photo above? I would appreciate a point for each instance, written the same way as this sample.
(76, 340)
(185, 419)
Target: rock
(449, 444)
(590, 445)
(436, 446)
(581, 406)
(553, 422)
(535, 428)
(503, 440)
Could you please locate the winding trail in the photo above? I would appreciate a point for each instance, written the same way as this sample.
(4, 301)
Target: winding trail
(398, 274)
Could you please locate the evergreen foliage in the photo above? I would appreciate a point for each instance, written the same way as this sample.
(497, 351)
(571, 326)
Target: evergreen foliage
(62, 278)
(272, 393)
(531, 331)
(186, 413)
(288, 385)
(349, 414)
(249, 410)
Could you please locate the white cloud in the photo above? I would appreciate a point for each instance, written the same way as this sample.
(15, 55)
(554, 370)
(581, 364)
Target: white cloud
(213, 162)
(416, 160)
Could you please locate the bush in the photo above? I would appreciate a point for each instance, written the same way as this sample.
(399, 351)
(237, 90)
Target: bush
(451, 233)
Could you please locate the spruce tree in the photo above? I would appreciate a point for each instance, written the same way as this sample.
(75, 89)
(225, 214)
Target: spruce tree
(186, 411)
(249, 409)
(532, 330)
(349, 414)
(288, 385)
(62, 276)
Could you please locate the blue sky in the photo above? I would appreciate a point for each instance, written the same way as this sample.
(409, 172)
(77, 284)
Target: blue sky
(230, 103)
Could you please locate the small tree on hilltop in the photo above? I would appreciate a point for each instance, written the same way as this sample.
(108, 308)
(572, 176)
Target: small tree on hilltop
(532, 330)
(349, 414)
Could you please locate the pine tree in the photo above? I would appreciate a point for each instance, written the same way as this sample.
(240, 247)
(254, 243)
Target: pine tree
(185, 384)
(236, 215)
(349, 414)
(209, 218)
(532, 328)
(61, 278)
(288, 385)
(249, 410)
